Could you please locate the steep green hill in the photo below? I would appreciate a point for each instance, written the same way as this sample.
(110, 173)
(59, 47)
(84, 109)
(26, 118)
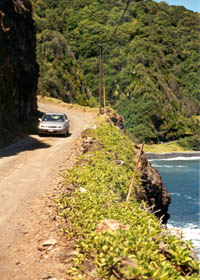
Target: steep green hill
(61, 77)
(151, 60)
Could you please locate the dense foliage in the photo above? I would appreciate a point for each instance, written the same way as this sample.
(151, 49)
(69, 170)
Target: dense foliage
(192, 142)
(61, 76)
(151, 60)
(139, 249)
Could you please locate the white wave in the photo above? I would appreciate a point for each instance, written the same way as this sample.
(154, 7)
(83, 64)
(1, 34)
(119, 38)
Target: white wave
(155, 165)
(178, 194)
(177, 158)
(188, 196)
(189, 232)
(166, 166)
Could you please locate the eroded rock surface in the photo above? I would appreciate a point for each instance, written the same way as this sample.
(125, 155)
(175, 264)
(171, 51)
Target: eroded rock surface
(153, 190)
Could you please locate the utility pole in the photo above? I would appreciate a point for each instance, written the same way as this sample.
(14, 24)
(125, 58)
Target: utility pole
(41, 70)
(100, 78)
(104, 99)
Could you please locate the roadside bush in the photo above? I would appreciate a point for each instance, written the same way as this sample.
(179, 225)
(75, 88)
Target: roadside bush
(134, 246)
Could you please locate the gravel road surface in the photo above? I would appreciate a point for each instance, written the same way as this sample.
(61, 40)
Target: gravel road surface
(26, 170)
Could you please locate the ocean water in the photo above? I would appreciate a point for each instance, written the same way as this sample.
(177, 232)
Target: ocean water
(181, 177)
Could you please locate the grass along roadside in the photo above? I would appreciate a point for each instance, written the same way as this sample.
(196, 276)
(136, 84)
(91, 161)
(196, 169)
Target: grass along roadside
(137, 247)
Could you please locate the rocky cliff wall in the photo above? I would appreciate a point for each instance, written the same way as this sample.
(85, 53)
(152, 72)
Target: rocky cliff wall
(18, 67)
(153, 190)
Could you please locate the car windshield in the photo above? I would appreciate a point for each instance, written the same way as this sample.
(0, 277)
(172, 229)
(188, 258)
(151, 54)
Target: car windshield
(53, 118)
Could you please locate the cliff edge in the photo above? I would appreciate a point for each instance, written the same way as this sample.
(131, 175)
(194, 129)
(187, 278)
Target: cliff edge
(153, 190)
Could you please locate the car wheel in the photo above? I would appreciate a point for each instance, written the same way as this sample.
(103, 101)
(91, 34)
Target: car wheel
(66, 133)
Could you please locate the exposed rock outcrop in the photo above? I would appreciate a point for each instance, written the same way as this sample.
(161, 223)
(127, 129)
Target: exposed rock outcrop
(153, 190)
(115, 118)
(109, 224)
(18, 68)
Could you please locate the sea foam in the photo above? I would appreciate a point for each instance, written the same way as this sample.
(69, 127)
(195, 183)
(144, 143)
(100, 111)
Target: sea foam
(189, 232)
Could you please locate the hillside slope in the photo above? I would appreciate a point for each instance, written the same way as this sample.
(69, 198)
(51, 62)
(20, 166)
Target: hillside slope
(150, 59)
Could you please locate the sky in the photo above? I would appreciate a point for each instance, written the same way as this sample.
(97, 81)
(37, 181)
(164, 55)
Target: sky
(193, 5)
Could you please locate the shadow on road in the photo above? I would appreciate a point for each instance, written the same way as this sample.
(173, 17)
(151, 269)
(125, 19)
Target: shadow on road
(27, 144)
(55, 135)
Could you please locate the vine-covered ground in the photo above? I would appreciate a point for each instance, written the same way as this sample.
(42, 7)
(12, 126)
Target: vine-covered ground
(115, 238)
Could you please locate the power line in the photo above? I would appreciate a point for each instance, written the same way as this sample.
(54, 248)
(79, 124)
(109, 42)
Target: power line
(115, 31)
(101, 57)
(126, 8)
(95, 48)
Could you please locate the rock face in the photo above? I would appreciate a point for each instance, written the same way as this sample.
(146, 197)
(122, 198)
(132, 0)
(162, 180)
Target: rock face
(115, 118)
(18, 68)
(153, 190)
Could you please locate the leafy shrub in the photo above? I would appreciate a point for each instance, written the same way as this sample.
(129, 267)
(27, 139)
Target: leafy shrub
(191, 143)
(140, 249)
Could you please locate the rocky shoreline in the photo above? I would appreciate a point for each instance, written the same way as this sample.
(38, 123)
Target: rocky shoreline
(179, 231)
(151, 156)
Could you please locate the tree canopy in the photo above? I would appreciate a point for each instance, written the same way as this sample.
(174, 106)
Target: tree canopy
(151, 60)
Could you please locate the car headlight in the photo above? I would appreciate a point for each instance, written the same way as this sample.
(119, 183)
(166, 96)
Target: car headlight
(62, 125)
(42, 126)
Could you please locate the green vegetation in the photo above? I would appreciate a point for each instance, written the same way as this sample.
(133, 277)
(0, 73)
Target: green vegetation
(187, 144)
(192, 142)
(151, 61)
(162, 148)
(61, 75)
(139, 248)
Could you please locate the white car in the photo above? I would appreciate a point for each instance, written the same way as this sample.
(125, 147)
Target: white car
(54, 123)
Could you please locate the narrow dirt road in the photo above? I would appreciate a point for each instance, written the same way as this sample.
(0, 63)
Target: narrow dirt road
(27, 170)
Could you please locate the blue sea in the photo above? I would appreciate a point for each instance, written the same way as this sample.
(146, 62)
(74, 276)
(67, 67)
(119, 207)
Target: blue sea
(181, 177)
